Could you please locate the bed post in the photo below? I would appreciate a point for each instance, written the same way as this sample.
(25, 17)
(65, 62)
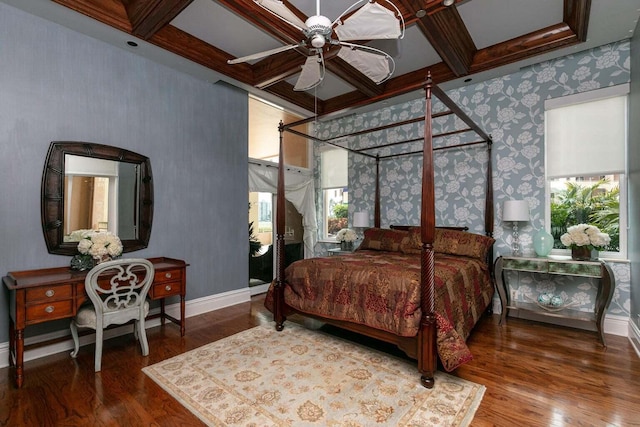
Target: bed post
(427, 355)
(489, 207)
(376, 210)
(278, 289)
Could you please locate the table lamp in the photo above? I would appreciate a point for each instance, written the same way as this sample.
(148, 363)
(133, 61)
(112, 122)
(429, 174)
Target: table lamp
(515, 211)
(361, 219)
(360, 222)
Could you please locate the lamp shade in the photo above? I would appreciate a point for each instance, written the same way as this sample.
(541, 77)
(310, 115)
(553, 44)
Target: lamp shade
(361, 219)
(515, 210)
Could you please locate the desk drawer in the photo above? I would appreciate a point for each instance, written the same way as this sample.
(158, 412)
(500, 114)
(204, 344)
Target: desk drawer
(524, 264)
(576, 269)
(165, 289)
(49, 311)
(49, 293)
(167, 276)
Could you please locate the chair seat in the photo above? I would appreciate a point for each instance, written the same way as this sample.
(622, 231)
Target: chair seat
(86, 317)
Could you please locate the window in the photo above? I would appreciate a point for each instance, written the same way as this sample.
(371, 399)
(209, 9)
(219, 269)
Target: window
(585, 145)
(335, 194)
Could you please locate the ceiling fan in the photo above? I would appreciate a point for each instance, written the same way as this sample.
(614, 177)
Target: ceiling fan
(369, 21)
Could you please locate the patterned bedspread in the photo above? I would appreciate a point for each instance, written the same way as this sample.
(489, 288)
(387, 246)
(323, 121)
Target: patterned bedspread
(382, 290)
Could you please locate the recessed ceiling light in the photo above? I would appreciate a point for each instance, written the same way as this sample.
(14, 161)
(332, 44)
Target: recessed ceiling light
(448, 2)
(467, 80)
(132, 43)
(421, 13)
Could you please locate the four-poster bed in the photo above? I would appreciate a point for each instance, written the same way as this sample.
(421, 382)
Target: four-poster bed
(384, 249)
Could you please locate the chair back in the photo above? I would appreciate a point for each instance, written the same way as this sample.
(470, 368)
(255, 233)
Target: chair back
(118, 289)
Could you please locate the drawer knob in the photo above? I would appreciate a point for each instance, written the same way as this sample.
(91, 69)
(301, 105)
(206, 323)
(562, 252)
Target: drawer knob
(167, 288)
(49, 309)
(167, 275)
(50, 293)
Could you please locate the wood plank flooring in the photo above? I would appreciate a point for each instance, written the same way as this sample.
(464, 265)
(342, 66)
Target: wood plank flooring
(535, 374)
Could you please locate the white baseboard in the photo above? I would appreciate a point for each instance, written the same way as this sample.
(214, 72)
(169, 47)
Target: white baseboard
(634, 337)
(192, 308)
(259, 289)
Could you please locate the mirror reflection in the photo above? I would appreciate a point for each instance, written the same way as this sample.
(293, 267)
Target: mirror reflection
(100, 195)
(89, 186)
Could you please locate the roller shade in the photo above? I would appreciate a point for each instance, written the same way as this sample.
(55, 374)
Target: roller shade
(586, 138)
(335, 170)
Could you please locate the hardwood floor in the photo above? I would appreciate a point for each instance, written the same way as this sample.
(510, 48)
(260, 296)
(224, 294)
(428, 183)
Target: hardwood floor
(535, 374)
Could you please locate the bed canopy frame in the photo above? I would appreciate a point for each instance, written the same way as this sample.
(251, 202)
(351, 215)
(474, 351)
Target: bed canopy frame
(423, 346)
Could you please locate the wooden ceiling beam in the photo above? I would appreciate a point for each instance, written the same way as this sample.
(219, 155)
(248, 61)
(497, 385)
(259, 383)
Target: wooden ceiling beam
(576, 15)
(446, 32)
(260, 18)
(184, 44)
(285, 91)
(274, 69)
(353, 76)
(527, 46)
(109, 12)
(270, 73)
(396, 86)
(148, 16)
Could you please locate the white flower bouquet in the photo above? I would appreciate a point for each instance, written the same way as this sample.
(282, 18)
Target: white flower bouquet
(100, 245)
(585, 235)
(346, 235)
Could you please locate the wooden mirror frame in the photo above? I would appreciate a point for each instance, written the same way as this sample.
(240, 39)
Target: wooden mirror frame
(52, 193)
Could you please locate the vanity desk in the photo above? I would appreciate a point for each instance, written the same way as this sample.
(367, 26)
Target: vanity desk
(38, 296)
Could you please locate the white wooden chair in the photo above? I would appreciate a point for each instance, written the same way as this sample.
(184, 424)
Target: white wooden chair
(117, 290)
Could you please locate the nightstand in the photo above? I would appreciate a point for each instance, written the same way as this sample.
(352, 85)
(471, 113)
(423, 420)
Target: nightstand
(561, 266)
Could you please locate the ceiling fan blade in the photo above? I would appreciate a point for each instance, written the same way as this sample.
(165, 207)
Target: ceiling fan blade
(278, 8)
(260, 55)
(373, 63)
(312, 73)
(371, 21)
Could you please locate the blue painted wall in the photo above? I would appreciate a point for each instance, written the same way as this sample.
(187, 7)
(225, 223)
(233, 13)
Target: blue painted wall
(57, 84)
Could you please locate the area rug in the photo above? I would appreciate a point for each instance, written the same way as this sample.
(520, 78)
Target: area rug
(298, 377)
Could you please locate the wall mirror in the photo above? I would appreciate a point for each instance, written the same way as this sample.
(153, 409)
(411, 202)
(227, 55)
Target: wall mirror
(97, 187)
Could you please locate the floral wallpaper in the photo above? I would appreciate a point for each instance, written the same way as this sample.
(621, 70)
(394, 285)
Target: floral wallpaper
(511, 110)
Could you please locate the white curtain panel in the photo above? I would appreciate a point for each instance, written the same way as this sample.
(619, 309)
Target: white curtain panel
(299, 191)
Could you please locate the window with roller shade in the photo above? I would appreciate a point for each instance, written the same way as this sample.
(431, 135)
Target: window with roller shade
(585, 146)
(335, 194)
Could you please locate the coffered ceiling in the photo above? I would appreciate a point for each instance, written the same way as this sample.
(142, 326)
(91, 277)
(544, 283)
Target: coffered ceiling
(472, 40)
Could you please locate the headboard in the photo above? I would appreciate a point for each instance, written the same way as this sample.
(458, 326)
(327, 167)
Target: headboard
(407, 227)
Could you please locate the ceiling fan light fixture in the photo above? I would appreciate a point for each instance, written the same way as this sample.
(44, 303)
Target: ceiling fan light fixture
(318, 24)
(317, 41)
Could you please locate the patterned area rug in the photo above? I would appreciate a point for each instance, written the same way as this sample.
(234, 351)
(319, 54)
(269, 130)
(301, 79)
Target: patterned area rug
(261, 377)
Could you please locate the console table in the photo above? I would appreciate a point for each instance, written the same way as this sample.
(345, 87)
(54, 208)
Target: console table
(561, 266)
(38, 296)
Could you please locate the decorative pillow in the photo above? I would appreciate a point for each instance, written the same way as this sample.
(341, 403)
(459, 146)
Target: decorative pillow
(413, 243)
(454, 242)
(382, 239)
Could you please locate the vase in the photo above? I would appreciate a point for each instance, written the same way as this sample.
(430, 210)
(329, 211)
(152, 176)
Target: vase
(82, 262)
(542, 243)
(583, 253)
(346, 246)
